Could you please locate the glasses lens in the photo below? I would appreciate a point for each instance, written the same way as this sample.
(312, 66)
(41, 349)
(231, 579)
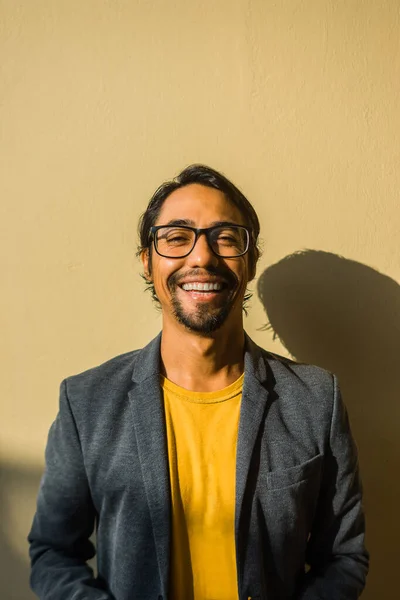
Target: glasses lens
(229, 240)
(174, 241)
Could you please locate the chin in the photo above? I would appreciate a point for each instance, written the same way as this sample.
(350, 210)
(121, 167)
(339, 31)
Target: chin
(202, 321)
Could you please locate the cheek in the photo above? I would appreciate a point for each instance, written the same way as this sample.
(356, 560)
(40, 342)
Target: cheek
(162, 271)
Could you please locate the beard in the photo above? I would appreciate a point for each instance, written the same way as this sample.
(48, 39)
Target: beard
(202, 320)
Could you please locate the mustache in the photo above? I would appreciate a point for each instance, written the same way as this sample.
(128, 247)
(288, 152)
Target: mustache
(227, 276)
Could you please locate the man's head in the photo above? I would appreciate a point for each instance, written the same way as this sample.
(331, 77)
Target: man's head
(223, 257)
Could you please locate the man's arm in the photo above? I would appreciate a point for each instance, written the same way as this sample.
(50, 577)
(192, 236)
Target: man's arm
(336, 553)
(65, 517)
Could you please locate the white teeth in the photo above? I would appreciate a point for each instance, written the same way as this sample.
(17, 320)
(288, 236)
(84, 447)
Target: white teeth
(203, 287)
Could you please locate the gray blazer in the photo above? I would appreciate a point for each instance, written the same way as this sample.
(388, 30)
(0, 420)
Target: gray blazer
(298, 494)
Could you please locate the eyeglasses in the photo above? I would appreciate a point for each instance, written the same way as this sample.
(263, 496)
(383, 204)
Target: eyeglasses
(177, 241)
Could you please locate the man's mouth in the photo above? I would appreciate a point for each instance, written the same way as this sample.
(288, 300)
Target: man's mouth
(202, 287)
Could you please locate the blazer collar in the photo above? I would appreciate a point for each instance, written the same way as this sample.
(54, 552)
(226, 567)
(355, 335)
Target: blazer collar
(256, 399)
(148, 361)
(254, 361)
(151, 439)
(150, 430)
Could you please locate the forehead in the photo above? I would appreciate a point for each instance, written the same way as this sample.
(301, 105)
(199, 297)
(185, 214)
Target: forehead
(200, 204)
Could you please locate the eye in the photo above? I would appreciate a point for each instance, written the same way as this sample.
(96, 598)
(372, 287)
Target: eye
(176, 239)
(228, 237)
(174, 236)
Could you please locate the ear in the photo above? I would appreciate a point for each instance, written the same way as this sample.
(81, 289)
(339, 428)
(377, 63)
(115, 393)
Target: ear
(146, 262)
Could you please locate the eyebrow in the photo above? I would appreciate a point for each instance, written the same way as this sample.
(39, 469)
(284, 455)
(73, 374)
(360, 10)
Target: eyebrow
(190, 223)
(178, 222)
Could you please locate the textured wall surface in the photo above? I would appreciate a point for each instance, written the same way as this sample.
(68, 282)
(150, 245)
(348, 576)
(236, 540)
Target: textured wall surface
(298, 103)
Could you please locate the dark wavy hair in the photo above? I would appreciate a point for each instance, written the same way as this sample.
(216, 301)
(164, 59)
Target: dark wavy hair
(206, 176)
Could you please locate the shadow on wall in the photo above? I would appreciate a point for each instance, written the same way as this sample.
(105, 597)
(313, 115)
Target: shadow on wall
(345, 317)
(18, 489)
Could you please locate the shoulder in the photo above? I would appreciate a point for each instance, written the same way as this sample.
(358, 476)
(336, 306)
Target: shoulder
(98, 397)
(113, 374)
(114, 377)
(95, 393)
(296, 387)
(288, 371)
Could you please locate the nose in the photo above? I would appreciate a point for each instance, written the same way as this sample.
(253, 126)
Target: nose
(202, 255)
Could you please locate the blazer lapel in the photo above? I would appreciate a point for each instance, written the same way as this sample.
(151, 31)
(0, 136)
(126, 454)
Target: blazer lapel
(255, 399)
(150, 430)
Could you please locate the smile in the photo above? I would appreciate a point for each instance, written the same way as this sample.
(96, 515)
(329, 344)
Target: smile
(202, 287)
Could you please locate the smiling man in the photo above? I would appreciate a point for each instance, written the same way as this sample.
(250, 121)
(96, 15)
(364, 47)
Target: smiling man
(209, 468)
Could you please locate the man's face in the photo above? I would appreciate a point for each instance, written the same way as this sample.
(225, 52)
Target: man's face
(201, 311)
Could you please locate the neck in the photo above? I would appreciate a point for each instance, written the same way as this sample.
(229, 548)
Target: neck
(202, 363)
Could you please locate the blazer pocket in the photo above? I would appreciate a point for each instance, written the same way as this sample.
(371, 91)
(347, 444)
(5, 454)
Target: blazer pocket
(310, 469)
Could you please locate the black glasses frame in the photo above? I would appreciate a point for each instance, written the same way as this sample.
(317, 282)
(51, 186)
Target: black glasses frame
(207, 232)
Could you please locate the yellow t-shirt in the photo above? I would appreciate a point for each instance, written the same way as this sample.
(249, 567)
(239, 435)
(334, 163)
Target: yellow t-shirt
(202, 432)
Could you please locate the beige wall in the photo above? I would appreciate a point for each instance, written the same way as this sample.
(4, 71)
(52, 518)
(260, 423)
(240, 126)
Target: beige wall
(297, 102)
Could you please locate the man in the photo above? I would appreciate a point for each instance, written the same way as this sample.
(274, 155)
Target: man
(209, 468)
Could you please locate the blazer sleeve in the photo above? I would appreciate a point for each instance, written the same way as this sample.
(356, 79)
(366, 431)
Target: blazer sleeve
(336, 553)
(64, 520)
